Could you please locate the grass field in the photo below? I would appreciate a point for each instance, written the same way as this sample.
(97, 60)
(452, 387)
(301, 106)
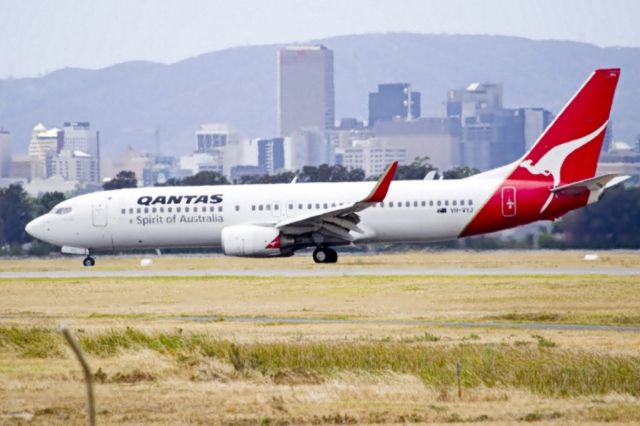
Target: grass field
(154, 364)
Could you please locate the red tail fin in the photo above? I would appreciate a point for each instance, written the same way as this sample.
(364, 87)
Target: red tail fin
(568, 150)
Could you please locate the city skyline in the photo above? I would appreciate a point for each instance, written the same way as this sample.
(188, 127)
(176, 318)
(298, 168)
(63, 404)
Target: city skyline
(103, 33)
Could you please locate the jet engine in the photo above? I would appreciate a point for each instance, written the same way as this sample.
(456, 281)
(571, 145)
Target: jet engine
(255, 241)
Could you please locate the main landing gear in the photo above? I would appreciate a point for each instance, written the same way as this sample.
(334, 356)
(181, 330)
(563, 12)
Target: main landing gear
(89, 261)
(325, 255)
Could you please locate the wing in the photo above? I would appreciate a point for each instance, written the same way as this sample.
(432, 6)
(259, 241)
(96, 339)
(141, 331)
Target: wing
(338, 222)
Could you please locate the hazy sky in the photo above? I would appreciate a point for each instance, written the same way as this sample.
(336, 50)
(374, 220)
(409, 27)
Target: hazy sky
(39, 36)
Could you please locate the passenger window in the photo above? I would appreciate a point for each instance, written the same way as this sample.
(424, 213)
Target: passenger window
(423, 203)
(454, 203)
(390, 204)
(138, 210)
(268, 206)
(325, 205)
(130, 211)
(462, 202)
(169, 209)
(195, 210)
(290, 206)
(439, 203)
(415, 204)
(123, 211)
(219, 208)
(237, 208)
(333, 204)
(186, 209)
(260, 207)
(178, 209)
(431, 203)
(470, 202)
(318, 206)
(299, 206)
(146, 209)
(309, 206)
(407, 203)
(446, 202)
(154, 210)
(253, 208)
(161, 209)
(276, 207)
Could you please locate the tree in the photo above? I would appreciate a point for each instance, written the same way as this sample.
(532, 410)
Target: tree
(46, 202)
(15, 213)
(614, 222)
(204, 178)
(417, 170)
(327, 173)
(124, 179)
(460, 172)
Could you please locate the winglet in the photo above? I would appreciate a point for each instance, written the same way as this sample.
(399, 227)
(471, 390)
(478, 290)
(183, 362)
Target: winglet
(379, 192)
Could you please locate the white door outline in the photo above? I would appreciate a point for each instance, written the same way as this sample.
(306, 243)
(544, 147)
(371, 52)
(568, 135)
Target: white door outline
(509, 202)
(99, 212)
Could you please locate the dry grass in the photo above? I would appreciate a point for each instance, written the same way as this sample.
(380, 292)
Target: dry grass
(322, 373)
(149, 386)
(428, 259)
(567, 299)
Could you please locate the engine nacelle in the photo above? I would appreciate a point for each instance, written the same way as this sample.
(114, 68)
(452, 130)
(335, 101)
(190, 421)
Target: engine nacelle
(254, 241)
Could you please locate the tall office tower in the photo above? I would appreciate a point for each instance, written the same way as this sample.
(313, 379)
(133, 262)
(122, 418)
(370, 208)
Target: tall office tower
(5, 153)
(393, 101)
(535, 121)
(79, 138)
(305, 89)
(271, 154)
(45, 144)
(491, 135)
(212, 136)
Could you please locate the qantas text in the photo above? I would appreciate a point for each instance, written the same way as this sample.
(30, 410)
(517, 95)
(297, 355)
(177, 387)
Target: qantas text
(178, 199)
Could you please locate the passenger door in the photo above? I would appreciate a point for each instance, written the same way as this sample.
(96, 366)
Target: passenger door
(99, 212)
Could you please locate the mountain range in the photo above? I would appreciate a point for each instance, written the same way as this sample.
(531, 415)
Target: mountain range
(128, 101)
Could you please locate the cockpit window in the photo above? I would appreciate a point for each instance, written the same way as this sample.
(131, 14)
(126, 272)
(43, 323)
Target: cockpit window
(62, 210)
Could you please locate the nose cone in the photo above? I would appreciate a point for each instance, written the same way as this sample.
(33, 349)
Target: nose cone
(35, 228)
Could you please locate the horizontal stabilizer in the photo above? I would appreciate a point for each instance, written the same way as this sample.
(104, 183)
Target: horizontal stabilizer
(597, 183)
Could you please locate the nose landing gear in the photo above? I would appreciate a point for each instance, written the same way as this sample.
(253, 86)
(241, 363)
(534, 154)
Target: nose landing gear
(89, 261)
(325, 255)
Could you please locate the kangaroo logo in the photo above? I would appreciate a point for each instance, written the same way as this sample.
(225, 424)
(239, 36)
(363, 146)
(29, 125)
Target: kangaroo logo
(551, 163)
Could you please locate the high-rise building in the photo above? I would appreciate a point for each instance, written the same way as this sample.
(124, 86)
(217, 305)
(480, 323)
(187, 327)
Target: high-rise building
(535, 121)
(434, 137)
(271, 155)
(213, 136)
(45, 144)
(393, 101)
(372, 156)
(75, 166)
(5, 153)
(308, 148)
(305, 89)
(491, 135)
(81, 141)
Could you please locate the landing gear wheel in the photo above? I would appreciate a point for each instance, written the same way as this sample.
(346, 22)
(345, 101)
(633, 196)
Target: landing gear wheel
(89, 261)
(325, 255)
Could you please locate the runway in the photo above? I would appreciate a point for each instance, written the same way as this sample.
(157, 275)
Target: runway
(457, 324)
(320, 271)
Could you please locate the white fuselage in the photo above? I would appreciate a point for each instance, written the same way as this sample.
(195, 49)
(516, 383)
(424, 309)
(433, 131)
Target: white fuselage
(412, 211)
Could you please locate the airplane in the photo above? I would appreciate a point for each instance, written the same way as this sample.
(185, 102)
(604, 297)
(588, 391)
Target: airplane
(555, 176)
